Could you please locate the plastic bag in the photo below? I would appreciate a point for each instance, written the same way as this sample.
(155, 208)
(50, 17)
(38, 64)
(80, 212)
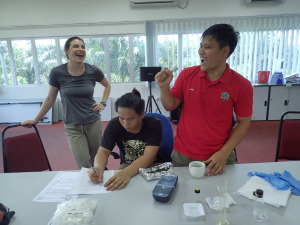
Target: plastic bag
(75, 212)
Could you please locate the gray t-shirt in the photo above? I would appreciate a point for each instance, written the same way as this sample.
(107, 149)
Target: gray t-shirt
(77, 93)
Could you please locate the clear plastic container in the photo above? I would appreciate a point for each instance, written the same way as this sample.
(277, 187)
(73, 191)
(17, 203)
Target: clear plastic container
(259, 213)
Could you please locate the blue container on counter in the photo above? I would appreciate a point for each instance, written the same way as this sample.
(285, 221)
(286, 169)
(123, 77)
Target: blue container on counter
(277, 78)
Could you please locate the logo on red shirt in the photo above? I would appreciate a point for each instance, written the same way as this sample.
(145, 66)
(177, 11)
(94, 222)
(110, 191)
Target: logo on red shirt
(225, 96)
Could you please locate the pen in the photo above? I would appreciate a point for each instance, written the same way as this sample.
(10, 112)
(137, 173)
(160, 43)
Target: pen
(93, 166)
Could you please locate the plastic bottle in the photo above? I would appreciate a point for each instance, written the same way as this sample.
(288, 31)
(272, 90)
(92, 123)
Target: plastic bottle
(277, 78)
(280, 78)
(259, 213)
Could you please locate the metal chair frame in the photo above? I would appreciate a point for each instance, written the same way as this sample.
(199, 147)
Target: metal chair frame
(282, 120)
(4, 145)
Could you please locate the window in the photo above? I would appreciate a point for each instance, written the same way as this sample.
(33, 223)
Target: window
(119, 58)
(266, 43)
(95, 52)
(5, 69)
(190, 46)
(167, 50)
(46, 58)
(27, 62)
(138, 55)
(23, 61)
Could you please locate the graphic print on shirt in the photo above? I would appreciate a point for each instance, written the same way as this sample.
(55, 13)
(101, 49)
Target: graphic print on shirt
(133, 150)
(225, 96)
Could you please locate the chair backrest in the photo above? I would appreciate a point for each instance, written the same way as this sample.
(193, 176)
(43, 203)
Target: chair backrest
(166, 146)
(24, 153)
(288, 143)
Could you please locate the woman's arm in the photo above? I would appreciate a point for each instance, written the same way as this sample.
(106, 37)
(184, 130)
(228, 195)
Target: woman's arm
(46, 106)
(107, 87)
(97, 106)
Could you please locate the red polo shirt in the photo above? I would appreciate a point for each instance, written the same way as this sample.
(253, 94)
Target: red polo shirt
(206, 118)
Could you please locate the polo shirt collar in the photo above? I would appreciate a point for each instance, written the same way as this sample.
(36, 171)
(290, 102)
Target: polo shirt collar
(225, 78)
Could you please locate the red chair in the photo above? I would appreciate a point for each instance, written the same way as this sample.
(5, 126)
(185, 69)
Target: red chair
(25, 152)
(288, 144)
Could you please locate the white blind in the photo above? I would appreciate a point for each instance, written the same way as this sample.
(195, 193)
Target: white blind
(266, 42)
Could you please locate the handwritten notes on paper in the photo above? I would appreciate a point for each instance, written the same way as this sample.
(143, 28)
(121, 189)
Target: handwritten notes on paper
(84, 186)
(67, 184)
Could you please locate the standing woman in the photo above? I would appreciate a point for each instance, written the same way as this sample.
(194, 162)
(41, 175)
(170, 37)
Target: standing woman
(76, 81)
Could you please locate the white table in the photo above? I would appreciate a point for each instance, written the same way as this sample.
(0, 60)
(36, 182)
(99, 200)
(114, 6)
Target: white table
(135, 205)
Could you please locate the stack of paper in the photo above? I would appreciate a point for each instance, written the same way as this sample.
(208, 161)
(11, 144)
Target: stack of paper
(293, 78)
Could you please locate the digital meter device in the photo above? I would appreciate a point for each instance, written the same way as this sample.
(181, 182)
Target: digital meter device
(165, 187)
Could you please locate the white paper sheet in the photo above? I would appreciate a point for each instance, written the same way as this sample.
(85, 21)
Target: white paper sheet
(84, 186)
(67, 184)
(272, 196)
(58, 188)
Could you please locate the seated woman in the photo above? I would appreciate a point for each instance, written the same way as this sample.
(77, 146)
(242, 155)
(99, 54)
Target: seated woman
(137, 136)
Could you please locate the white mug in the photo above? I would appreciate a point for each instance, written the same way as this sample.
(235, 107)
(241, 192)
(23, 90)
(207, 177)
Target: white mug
(197, 169)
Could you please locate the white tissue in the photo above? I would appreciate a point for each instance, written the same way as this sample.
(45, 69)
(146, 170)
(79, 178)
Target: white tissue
(272, 196)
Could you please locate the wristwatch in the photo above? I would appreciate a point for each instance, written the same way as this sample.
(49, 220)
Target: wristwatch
(103, 103)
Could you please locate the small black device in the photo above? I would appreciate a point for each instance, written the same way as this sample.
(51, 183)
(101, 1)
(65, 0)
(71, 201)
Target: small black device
(148, 73)
(165, 187)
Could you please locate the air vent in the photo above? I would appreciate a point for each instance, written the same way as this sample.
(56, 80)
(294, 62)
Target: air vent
(154, 3)
(254, 1)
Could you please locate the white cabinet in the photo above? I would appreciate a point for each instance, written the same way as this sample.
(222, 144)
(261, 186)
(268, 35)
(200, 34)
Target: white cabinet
(271, 101)
(279, 98)
(260, 102)
(294, 101)
(16, 111)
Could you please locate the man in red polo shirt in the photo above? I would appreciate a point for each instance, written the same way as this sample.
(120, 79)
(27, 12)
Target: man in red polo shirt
(210, 95)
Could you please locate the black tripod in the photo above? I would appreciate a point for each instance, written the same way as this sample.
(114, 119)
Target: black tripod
(150, 98)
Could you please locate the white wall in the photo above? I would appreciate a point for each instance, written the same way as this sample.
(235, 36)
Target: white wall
(44, 18)
(31, 18)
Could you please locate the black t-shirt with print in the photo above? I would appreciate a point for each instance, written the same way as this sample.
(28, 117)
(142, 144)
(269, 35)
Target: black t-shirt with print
(131, 145)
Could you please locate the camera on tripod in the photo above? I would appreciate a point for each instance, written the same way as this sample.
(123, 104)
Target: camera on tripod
(148, 74)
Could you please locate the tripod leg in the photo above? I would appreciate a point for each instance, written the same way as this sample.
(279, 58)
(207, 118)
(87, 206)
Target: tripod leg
(149, 105)
(156, 104)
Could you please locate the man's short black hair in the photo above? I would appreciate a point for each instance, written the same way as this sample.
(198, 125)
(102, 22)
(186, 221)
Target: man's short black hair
(224, 34)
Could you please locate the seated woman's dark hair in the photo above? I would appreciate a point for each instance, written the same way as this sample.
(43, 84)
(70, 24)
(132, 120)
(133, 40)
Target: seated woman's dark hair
(131, 100)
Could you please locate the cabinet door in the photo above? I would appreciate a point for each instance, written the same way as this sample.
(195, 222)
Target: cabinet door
(294, 101)
(260, 102)
(16, 113)
(278, 102)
